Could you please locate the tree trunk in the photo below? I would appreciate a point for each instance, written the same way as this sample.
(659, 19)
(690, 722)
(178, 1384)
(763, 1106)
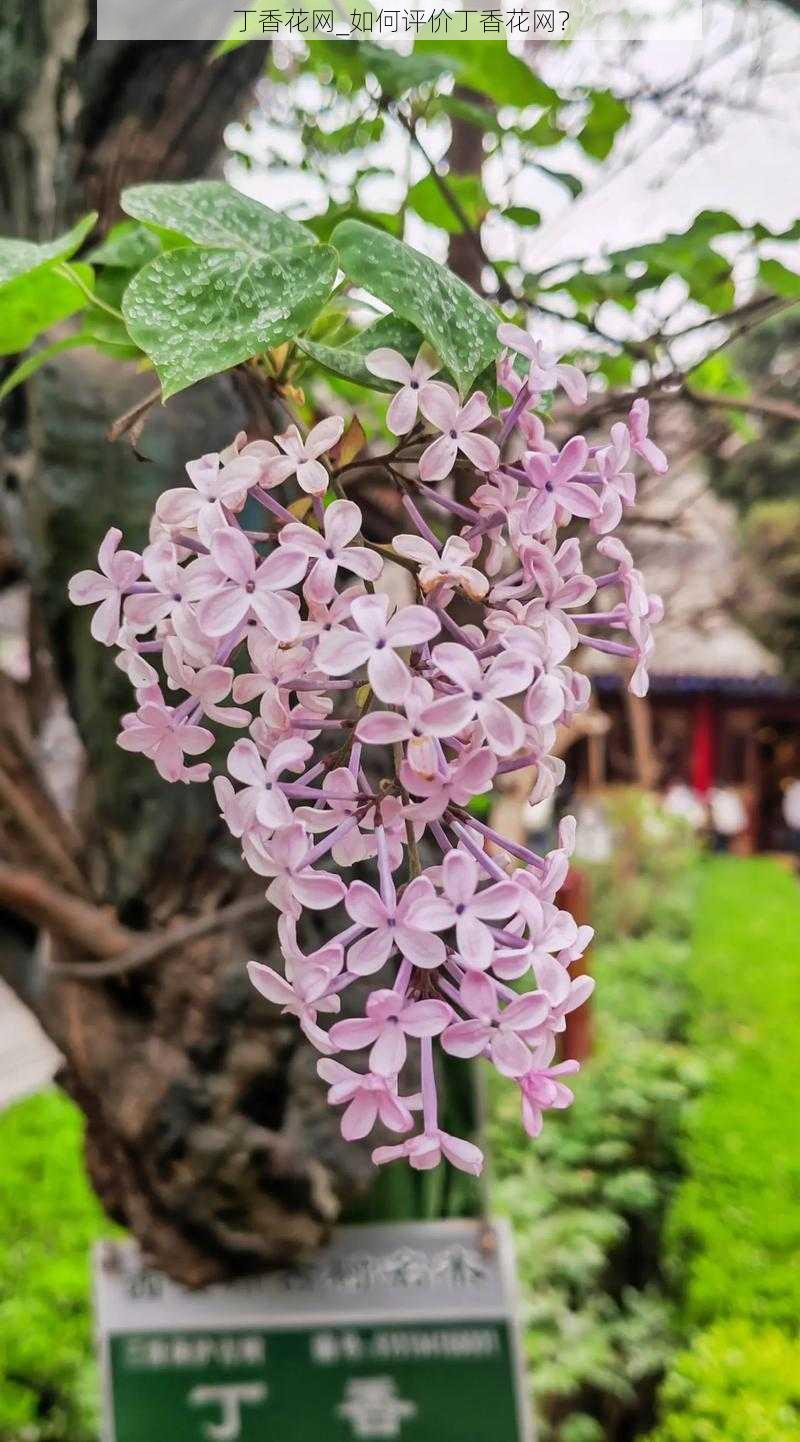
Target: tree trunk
(207, 1132)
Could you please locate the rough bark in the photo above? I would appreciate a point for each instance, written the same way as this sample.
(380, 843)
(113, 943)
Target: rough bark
(207, 1133)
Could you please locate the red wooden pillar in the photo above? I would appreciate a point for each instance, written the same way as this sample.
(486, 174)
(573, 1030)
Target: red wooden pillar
(704, 746)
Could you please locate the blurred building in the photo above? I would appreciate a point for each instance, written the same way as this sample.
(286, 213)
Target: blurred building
(720, 714)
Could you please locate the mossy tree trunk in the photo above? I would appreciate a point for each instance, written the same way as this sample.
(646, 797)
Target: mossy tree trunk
(207, 1133)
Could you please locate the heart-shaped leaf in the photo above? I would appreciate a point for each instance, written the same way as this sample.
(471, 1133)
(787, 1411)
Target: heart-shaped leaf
(348, 360)
(19, 257)
(37, 300)
(196, 312)
(211, 213)
(460, 326)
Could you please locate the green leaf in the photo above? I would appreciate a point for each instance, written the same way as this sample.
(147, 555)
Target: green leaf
(522, 215)
(430, 204)
(491, 69)
(779, 278)
(196, 312)
(460, 326)
(35, 301)
(127, 246)
(33, 362)
(348, 360)
(562, 177)
(607, 115)
(397, 74)
(19, 257)
(211, 213)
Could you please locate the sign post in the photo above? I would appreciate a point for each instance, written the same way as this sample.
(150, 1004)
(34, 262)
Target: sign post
(405, 1331)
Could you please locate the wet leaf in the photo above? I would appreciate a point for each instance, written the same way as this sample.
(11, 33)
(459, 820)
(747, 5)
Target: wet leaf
(458, 324)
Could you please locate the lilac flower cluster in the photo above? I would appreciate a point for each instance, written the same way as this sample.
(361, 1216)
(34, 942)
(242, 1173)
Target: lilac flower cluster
(371, 726)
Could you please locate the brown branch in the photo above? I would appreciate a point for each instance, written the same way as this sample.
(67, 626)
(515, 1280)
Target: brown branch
(80, 923)
(757, 405)
(152, 948)
(41, 833)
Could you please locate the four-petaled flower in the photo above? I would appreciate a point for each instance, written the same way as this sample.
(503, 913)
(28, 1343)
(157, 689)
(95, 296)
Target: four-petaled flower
(391, 926)
(376, 642)
(368, 1099)
(494, 1029)
(467, 908)
(308, 993)
(119, 570)
(262, 796)
(332, 549)
(458, 425)
(301, 457)
(242, 587)
(413, 381)
(294, 882)
(426, 1150)
(450, 571)
(478, 693)
(389, 1020)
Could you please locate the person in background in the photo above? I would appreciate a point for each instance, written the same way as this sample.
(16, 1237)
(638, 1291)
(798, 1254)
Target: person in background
(728, 816)
(790, 810)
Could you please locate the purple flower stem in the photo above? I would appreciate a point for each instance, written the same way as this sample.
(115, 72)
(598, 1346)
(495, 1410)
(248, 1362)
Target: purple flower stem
(146, 648)
(522, 853)
(270, 504)
(612, 648)
(508, 938)
(388, 893)
(403, 976)
(514, 412)
(421, 524)
(489, 866)
(603, 618)
(454, 629)
(441, 836)
(191, 545)
(332, 839)
(465, 513)
(430, 1114)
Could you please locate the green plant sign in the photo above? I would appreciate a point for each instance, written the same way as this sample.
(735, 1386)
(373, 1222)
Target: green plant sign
(392, 1332)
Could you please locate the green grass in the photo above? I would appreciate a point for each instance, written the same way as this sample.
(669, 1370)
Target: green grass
(738, 1214)
(734, 1230)
(49, 1218)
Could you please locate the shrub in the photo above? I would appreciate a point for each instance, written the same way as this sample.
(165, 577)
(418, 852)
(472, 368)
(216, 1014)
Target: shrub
(589, 1199)
(736, 1383)
(48, 1221)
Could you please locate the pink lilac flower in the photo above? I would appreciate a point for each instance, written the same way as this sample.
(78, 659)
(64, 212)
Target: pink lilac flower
(160, 732)
(476, 693)
(331, 549)
(305, 997)
(413, 381)
(301, 458)
(554, 486)
(451, 783)
(467, 908)
(638, 423)
(374, 723)
(425, 1151)
(243, 587)
(367, 1099)
(542, 1090)
(119, 570)
(458, 426)
(444, 573)
(262, 795)
(389, 1020)
(495, 1029)
(376, 641)
(295, 884)
(546, 371)
(393, 926)
(197, 507)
